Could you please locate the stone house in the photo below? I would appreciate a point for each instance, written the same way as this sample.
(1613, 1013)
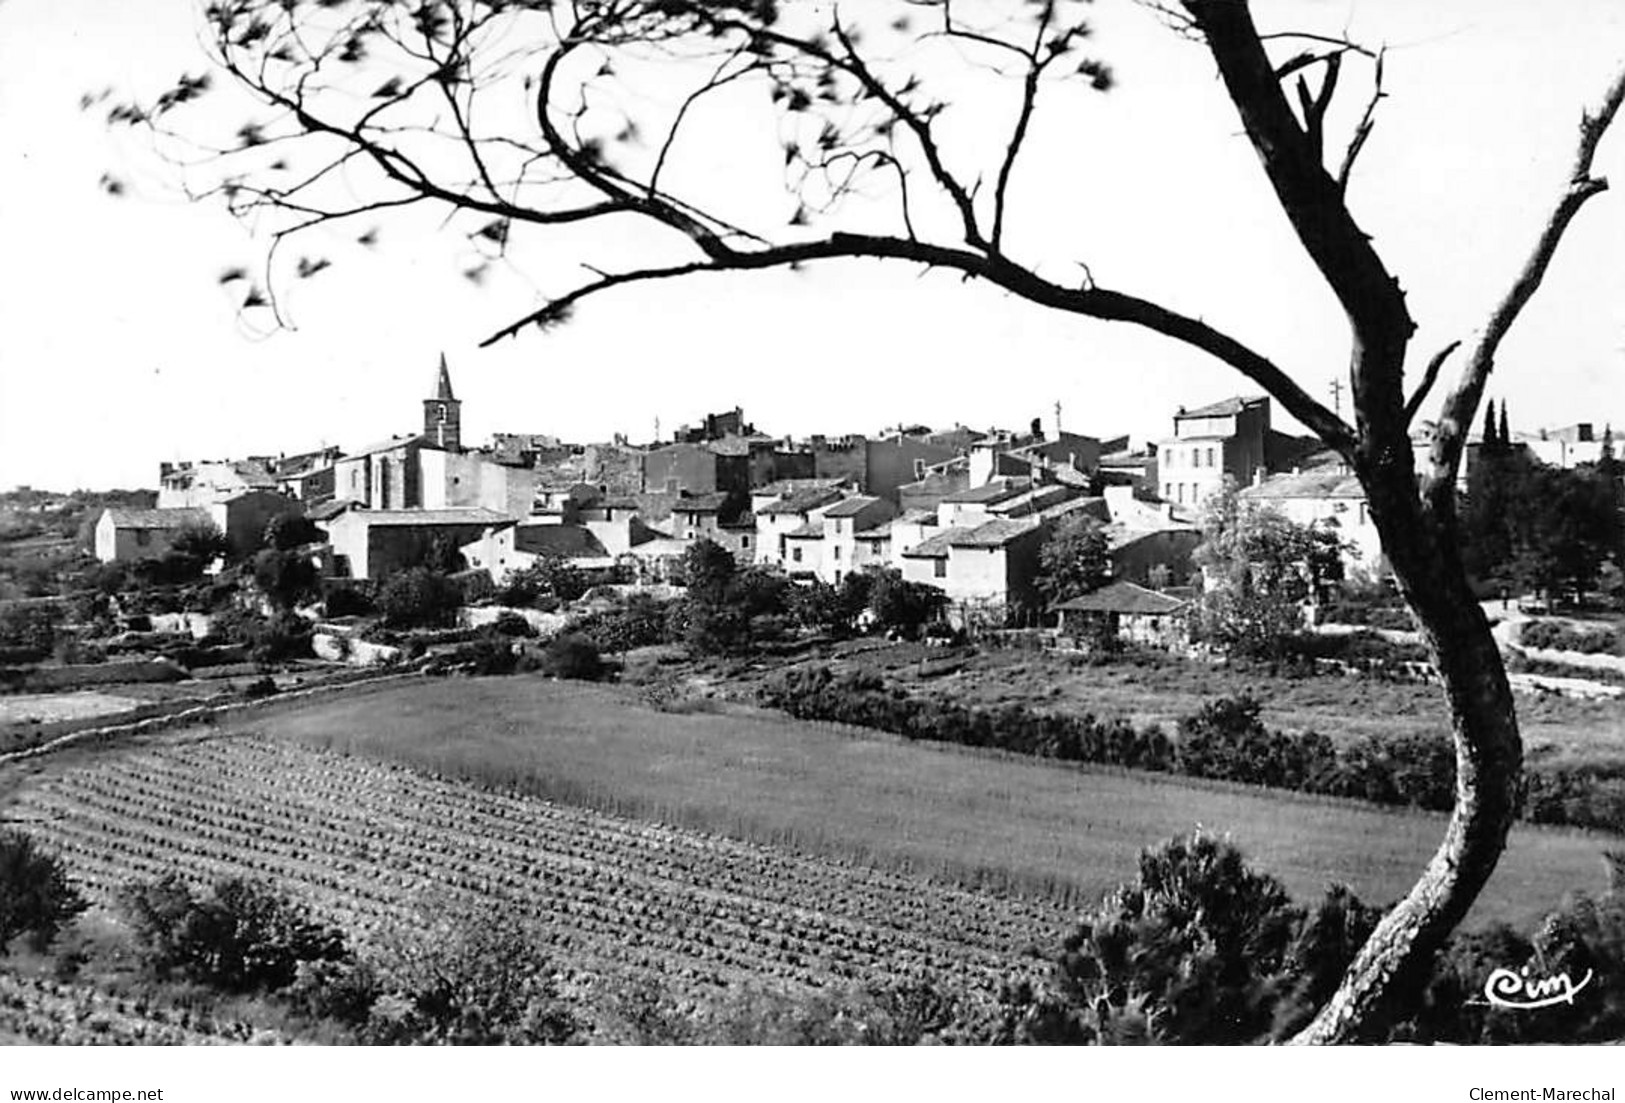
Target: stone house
(514, 546)
(794, 513)
(935, 484)
(988, 570)
(1210, 443)
(1130, 612)
(696, 468)
(973, 505)
(1329, 496)
(892, 462)
(804, 549)
(189, 484)
(370, 543)
(127, 534)
(842, 552)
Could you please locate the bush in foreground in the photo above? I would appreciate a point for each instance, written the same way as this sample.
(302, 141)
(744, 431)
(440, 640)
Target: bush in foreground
(240, 937)
(36, 897)
(575, 657)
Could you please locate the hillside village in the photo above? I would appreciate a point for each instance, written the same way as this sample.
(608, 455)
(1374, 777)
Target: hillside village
(963, 510)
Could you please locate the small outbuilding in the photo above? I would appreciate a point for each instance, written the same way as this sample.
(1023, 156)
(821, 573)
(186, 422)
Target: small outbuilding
(1127, 611)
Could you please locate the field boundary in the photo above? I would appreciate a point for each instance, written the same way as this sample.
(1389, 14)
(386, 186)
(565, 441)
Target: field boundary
(199, 714)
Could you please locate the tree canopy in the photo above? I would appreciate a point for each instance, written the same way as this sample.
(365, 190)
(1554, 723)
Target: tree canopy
(1074, 560)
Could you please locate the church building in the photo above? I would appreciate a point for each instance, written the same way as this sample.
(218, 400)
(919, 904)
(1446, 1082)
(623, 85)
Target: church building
(432, 469)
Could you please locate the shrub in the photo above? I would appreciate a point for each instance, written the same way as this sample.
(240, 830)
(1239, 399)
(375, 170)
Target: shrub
(903, 606)
(288, 531)
(418, 598)
(490, 655)
(241, 937)
(30, 626)
(36, 897)
(1190, 952)
(285, 577)
(509, 623)
(573, 656)
(640, 623)
(1551, 635)
(473, 979)
(347, 599)
(260, 687)
(269, 640)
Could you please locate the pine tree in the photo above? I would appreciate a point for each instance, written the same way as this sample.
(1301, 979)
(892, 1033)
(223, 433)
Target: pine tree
(1506, 435)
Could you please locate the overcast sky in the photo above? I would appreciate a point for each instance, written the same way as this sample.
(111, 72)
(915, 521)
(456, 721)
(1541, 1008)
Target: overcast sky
(119, 350)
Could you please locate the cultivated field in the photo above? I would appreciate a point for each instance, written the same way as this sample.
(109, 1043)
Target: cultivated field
(1063, 833)
(369, 845)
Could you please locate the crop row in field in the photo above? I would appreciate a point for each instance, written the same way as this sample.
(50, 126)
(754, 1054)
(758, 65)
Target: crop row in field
(1040, 828)
(368, 844)
(35, 1011)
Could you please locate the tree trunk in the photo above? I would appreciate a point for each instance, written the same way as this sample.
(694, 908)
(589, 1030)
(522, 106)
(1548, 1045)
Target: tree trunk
(1421, 548)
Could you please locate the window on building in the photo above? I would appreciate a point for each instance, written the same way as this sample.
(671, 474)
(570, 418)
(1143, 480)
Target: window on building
(1210, 457)
(795, 555)
(939, 568)
(142, 538)
(744, 541)
(1179, 493)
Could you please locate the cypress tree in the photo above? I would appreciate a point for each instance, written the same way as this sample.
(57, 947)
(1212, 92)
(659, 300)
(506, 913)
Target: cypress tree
(1489, 424)
(1506, 436)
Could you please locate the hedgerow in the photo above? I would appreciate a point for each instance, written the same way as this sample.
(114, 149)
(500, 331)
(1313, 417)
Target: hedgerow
(1225, 740)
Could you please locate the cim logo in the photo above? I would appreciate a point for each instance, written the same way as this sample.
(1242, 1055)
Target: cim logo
(1517, 990)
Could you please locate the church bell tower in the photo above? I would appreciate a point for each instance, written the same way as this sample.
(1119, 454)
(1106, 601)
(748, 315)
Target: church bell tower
(443, 414)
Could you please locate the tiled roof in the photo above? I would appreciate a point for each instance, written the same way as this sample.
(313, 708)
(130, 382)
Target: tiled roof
(253, 475)
(571, 541)
(701, 503)
(1039, 497)
(328, 510)
(812, 530)
(385, 446)
(994, 534)
(936, 547)
(1228, 408)
(410, 517)
(851, 507)
(803, 502)
(985, 495)
(661, 547)
(1126, 459)
(783, 487)
(159, 518)
(912, 517)
(1308, 484)
(1123, 597)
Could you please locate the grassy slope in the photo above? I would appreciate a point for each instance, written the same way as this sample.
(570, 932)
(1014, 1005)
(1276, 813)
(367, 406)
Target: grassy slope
(933, 810)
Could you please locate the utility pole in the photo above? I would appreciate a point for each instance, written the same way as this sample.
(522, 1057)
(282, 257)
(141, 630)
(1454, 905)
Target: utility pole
(1057, 419)
(1337, 397)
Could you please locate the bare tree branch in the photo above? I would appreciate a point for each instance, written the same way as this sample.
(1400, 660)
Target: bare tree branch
(1429, 377)
(1461, 405)
(1362, 130)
